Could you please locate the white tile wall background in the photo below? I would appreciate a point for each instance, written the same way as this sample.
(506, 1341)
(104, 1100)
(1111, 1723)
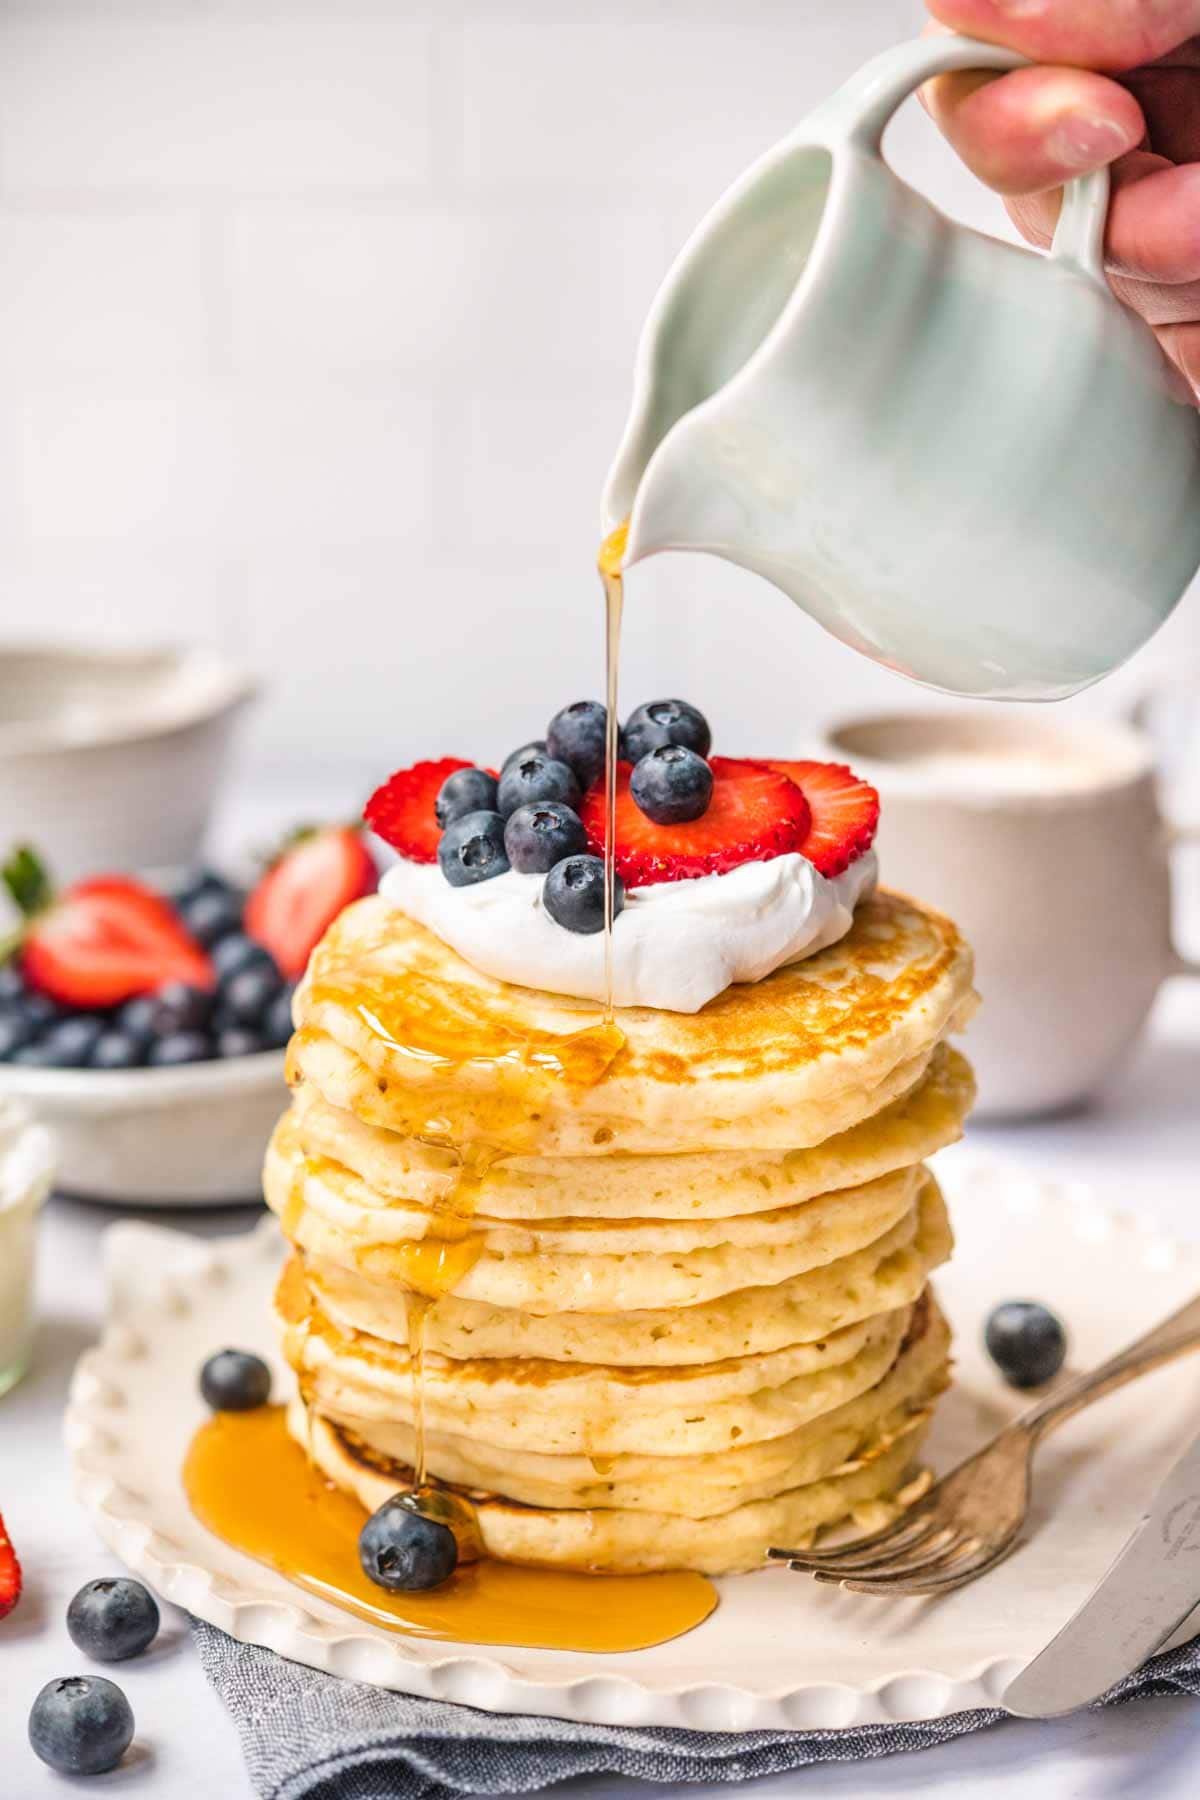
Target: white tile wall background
(316, 328)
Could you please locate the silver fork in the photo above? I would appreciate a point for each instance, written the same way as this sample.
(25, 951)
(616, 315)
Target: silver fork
(970, 1520)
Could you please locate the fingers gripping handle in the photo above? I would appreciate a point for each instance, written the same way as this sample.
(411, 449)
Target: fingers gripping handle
(861, 110)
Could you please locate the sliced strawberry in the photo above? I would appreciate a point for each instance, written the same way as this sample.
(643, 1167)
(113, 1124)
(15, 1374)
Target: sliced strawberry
(754, 814)
(102, 941)
(303, 892)
(845, 812)
(10, 1574)
(401, 811)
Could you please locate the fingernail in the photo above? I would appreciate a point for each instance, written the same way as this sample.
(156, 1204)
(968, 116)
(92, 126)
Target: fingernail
(1082, 142)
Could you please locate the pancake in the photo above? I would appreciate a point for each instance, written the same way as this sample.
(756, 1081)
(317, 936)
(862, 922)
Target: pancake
(395, 1027)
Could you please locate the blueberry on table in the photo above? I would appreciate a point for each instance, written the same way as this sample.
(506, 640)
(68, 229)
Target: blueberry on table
(180, 1007)
(112, 1619)
(472, 849)
(117, 1050)
(576, 736)
(1026, 1342)
(573, 894)
(537, 837)
(235, 1381)
(81, 1725)
(246, 996)
(671, 785)
(662, 722)
(277, 1021)
(177, 1048)
(212, 915)
(466, 791)
(236, 952)
(537, 777)
(239, 1040)
(402, 1550)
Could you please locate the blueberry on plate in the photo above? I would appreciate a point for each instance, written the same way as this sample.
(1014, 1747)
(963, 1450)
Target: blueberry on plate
(1026, 1342)
(212, 914)
(179, 1047)
(112, 1619)
(472, 849)
(235, 1381)
(466, 791)
(81, 1725)
(236, 952)
(180, 1007)
(576, 736)
(537, 837)
(239, 1040)
(536, 747)
(401, 1549)
(67, 1044)
(538, 777)
(573, 894)
(16, 1030)
(115, 1049)
(277, 1021)
(662, 722)
(246, 996)
(671, 785)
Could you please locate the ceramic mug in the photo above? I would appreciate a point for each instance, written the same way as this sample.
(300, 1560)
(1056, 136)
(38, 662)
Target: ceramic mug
(962, 458)
(1045, 843)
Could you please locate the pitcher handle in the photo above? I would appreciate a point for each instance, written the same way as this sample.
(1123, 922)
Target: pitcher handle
(861, 109)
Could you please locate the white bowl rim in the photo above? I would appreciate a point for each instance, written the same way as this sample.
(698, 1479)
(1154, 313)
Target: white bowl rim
(131, 1090)
(209, 685)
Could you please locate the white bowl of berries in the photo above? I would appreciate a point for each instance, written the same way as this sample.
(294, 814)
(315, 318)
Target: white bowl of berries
(145, 1023)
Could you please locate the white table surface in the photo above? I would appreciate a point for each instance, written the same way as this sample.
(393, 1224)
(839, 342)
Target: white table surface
(1140, 1149)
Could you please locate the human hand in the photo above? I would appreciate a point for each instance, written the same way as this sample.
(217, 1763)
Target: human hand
(1119, 83)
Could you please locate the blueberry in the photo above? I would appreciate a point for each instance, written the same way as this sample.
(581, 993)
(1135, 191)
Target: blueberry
(235, 1381)
(401, 1549)
(40, 1010)
(573, 894)
(246, 996)
(12, 983)
(1026, 1342)
(179, 1047)
(472, 849)
(466, 791)
(36, 1056)
(81, 1725)
(196, 882)
(536, 747)
(537, 837)
(180, 1007)
(238, 952)
(537, 777)
(671, 785)
(67, 1044)
(212, 914)
(662, 722)
(117, 1050)
(576, 736)
(277, 1021)
(16, 1030)
(239, 1040)
(136, 1018)
(112, 1619)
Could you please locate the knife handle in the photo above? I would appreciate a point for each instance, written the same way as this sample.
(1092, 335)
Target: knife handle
(1175, 1336)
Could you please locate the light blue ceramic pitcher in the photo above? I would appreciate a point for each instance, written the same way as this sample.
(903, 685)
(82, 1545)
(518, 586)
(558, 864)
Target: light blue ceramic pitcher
(962, 458)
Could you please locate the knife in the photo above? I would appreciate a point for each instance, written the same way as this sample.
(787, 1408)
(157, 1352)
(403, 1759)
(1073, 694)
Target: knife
(1147, 1593)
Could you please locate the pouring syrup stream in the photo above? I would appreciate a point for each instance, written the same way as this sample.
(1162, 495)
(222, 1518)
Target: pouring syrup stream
(612, 553)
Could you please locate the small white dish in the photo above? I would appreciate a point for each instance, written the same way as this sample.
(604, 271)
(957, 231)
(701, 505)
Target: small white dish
(26, 1172)
(779, 1652)
(111, 759)
(188, 1136)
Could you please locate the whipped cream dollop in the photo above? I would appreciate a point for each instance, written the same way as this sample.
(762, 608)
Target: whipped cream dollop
(676, 944)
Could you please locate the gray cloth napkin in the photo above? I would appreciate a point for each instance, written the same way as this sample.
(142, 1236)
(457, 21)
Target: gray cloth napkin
(310, 1736)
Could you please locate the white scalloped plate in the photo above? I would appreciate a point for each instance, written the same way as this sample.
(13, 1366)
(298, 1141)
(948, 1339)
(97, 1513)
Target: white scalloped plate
(779, 1651)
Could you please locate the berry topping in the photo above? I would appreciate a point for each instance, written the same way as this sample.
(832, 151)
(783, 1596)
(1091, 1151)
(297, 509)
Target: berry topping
(537, 777)
(472, 849)
(671, 785)
(1026, 1342)
(573, 894)
(662, 722)
(402, 812)
(10, 1574)
(101, 941)
(537, 837)
(754, 815)
(112, 1619)
(845, 812)
(536, 747)
(318, 874)
(81, 1725)
(576, 736)
(235, 1381)
(467, 790)
(401, 1549)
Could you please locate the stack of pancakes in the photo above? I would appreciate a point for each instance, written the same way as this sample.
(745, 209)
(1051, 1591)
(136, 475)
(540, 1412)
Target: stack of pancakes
(664, 1279)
